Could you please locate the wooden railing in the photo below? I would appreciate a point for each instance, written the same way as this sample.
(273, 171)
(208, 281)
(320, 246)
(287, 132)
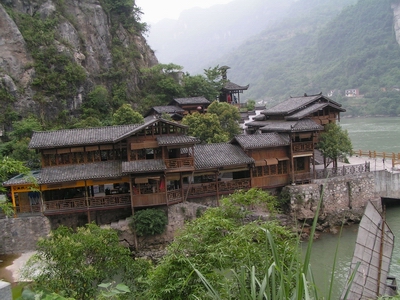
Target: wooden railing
(342, 171)
(90, 203)
(395, 157)
(223, 186)
(174, 196)
(175, 163)
(303, 146)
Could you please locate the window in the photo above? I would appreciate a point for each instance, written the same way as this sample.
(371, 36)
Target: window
(299, 164)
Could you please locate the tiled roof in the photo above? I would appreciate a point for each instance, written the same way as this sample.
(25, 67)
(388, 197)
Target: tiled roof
(168, 109)
(256, 123)
(311, 109)
(143, 166)
(293, 104)
(255, 141)
(291, 126)
(57, 174)
(191, 100)
(230, 86)
(169, 140)
(81, 136)
(23, 179)
(209, 156)
(89, 136)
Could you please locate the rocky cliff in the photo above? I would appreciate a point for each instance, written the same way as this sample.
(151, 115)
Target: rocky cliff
(53, 53)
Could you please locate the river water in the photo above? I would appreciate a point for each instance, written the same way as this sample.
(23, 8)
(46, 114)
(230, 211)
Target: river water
(375, 134)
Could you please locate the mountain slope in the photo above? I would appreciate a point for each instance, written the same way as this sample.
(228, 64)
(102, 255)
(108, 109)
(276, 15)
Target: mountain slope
(202, 35)
(53, 53)
(355, 50)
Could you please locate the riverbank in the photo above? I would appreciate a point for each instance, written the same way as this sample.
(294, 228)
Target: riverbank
(14, 264)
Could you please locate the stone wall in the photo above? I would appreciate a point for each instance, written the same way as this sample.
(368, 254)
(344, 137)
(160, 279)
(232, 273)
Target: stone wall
(5, 291)
(343, 199)
(19, 235)
(387, 184)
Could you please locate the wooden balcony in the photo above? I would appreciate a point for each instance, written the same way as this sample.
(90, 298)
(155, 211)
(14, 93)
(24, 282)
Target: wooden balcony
(303, 147)
(210, 188)
(180, 164)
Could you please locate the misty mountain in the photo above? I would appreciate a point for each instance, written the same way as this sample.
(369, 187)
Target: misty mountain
(200, 36)
(357, 49)
(306, 46)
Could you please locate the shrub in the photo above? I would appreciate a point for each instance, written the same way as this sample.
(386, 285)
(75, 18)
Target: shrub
(149, 222)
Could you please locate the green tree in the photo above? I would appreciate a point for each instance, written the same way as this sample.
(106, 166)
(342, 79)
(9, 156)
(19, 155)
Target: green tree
(334, 142)
(9, 167)
(75, 263)
(215, 243)
(97, 103)
(208, 85)
(206, 127)
(228, 116)
(88, 122)
(250, 105)
(160, 84)
(17, 145)
(126, 115)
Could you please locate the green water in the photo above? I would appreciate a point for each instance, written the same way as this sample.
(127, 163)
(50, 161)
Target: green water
(379, 134)
(382, 135)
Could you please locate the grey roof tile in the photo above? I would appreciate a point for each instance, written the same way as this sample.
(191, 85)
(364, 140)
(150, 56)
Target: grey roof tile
(230, 86)
(311, 109)
(291, 126)
(143, 166)
(89, 136)
(168, 109)
(97, 170)
(23, 179)
(169, 140)
(209, 156)
(256, 141)
(293, 104)
(190, 100)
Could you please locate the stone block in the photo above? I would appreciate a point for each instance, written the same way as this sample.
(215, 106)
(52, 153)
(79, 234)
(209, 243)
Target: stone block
(5, 291)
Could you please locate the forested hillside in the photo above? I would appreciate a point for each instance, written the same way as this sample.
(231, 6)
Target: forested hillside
(355, 50)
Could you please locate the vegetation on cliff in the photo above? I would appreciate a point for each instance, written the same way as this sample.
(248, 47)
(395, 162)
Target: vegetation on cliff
(355, 49)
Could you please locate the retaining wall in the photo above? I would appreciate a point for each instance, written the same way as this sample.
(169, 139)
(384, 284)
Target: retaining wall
(387, 184)
(343, 198)
(18, 235)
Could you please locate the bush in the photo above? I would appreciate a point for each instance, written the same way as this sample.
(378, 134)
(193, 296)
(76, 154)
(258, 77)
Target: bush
(149, 222)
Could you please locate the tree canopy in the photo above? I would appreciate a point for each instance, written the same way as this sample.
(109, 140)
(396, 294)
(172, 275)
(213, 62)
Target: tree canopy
(334, 142)
(126, 115)
(228, 116)
(74, 263)
(206, 127)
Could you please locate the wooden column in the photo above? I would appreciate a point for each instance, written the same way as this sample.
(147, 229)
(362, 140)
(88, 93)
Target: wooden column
(182, 192)
(87, 202)
(291, 157)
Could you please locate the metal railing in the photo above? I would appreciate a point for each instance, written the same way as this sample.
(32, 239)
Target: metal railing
(342, 171)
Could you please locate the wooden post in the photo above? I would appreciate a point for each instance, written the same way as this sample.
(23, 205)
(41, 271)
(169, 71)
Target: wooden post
(182, 192)
(291, 158)
(216, 186)
(13, 202)
(87, 202)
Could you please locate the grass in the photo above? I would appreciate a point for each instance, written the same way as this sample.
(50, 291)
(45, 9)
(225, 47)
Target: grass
(279, 282)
